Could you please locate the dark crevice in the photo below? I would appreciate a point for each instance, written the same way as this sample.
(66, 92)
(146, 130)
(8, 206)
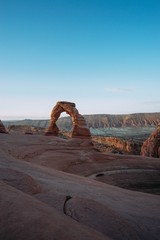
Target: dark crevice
(64, 205)
(100, 175)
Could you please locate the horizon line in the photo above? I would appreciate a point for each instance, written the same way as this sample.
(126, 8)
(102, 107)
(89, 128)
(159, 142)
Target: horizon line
(21, 118)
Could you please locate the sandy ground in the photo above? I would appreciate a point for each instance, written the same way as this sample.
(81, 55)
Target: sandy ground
(53, 188)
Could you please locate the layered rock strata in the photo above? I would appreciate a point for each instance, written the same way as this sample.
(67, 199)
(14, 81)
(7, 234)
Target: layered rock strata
(116, 145)
(79, 129)
(151, 147)
(2, 128)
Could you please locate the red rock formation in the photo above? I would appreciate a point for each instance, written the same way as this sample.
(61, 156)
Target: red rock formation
(151, 147)
(80, 128)
(116, 145)
(2, 128)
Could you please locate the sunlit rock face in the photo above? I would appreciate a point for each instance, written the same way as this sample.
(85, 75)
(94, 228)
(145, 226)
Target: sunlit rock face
(151, 147)
(116, 145)
(2, 128)
(79, 129)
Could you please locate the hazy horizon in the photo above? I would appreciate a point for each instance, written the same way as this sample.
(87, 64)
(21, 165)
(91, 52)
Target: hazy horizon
(102, 55)
(19, 118)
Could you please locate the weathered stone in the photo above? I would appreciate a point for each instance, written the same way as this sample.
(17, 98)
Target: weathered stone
(80, 128)
(151, 147)
(2, 128)
(116, 145)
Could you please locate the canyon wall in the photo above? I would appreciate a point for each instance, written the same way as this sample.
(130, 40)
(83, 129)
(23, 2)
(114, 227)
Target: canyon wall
(98, 121)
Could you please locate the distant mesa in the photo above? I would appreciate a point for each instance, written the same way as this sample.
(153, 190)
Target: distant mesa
(151, 147)
(98, 121)
(79, 129)
(2, 128)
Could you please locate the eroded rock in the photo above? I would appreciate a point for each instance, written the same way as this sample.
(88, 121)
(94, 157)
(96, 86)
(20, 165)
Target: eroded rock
(20, 181)
(99, 217)
(151, 147)
(80, 128)
(116, 145)
(2, 128)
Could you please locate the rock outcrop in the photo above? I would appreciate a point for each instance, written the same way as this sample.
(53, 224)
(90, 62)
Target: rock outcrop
(151, 147)
(79, 129)
(116, 145)
(25, 129)
(2, 128)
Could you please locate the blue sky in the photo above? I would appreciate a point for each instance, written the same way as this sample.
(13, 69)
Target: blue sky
(104, 55)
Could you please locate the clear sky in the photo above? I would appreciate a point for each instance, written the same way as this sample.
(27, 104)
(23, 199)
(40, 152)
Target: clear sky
(104, 55)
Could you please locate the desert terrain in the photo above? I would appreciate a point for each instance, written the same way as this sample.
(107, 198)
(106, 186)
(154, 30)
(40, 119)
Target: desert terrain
(123, 140)
(121, 133)
(80, 120)
(58, 188)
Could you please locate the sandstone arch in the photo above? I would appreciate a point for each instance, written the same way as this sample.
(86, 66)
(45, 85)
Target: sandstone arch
(80, 128)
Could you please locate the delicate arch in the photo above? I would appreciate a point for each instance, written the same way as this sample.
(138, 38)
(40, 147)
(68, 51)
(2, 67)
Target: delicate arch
(80, 128)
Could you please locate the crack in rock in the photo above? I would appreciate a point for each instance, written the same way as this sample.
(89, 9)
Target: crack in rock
(64, 205)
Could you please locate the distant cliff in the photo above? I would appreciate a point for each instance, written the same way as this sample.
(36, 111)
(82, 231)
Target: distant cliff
(124, 120)
(98, 121)
(27, 122)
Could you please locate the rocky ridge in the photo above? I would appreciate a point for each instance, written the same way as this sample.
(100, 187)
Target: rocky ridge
(151, 147)
(2, 128)
(116, 145)
(25, 129)
(98, 121)
(123, 120)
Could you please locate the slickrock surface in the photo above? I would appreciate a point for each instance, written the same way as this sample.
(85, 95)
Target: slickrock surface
(80, 128)
(2, 128)
(151, 147)
(50, 190)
